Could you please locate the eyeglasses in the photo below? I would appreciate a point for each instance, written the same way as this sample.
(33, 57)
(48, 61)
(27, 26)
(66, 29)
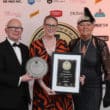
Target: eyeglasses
(15, 28)
(51, 25)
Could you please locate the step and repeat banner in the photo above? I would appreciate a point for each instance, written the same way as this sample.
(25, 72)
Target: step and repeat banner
(32, 13)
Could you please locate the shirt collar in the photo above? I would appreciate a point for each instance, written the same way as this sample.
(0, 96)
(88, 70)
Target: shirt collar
(12, 42)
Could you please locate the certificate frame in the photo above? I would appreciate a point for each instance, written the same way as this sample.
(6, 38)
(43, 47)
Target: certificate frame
(66, 79)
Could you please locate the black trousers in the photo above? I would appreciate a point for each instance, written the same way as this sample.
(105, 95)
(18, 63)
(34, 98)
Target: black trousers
(14, 109)
(23, 106)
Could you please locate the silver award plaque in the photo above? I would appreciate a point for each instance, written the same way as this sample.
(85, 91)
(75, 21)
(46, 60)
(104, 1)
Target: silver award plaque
(37, 67)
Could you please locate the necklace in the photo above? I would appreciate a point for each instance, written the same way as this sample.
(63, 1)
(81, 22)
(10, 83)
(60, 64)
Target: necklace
(83, 49)
(50, 45)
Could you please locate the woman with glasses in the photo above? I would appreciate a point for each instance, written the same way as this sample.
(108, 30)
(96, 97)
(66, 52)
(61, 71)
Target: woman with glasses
(44, 98)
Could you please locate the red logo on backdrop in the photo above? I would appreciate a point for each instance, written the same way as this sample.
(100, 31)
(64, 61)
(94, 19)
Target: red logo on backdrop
(56, 13)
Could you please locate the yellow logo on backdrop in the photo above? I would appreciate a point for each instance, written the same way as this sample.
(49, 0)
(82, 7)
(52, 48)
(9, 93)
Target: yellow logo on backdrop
(97, 1)
(34, 13)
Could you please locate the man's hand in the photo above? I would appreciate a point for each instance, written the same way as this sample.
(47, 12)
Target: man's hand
(26, 77)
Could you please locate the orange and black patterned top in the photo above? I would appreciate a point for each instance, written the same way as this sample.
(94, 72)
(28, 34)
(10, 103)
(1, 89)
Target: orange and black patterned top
(42, 101)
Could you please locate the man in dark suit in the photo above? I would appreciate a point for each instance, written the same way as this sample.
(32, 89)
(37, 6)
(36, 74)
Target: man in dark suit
(14, 92)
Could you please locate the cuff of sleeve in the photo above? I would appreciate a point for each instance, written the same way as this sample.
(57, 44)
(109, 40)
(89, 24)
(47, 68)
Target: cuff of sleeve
(19, 81)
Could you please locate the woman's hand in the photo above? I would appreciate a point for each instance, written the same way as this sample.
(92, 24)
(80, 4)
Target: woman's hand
(82, 79)
(47, 90)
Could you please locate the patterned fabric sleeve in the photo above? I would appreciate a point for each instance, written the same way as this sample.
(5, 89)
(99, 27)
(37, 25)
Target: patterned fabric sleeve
(62, 46)
(32, 49)
(36, 48)
(105, 54)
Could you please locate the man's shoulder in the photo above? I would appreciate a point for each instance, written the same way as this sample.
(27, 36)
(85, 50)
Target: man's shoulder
(24, 45)
(3, 43)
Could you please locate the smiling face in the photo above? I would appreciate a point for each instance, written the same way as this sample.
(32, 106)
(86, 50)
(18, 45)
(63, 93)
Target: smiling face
(50, 26)
(85, 29)
(14, 29)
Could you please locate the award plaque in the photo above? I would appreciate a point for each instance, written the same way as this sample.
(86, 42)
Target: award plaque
(66, 72)
(37, 67)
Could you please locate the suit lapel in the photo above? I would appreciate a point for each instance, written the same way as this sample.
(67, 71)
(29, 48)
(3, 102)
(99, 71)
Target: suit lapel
(11, 51)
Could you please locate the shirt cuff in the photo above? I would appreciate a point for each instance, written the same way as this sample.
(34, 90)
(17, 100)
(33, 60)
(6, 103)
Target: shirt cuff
(19, 81)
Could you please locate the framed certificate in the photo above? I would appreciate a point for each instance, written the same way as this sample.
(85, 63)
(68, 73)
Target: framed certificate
(66, 72)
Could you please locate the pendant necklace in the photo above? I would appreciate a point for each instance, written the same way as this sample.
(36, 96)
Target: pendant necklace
(83, 49)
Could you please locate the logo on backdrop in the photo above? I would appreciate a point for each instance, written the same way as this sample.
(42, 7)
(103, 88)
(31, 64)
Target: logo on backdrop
(51, 1)
(12, 1)
(100, 13)
(75, 13)
(56, 13)
(31, 2)
(81, 1)
(34, 13)
(64, 31)
(101, 25)
(97, 1)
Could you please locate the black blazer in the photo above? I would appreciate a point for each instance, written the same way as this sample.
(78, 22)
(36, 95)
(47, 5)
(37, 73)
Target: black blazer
(10, 70)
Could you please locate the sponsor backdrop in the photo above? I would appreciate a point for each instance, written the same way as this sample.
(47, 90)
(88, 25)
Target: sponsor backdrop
(32, 13)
